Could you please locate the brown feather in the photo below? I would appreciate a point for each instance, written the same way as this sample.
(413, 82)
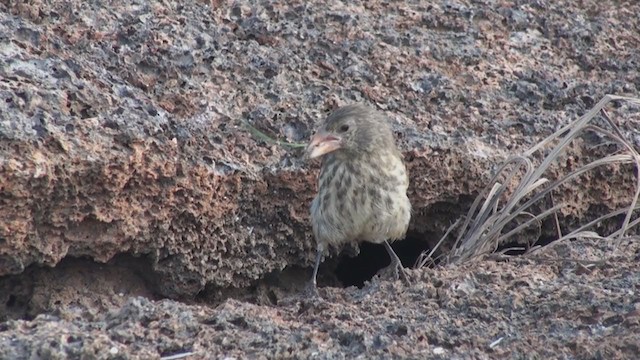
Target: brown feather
(362, 185)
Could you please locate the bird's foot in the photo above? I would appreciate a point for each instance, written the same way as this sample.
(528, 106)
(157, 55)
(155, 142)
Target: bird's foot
(396, 267)
(311, 290)
(395, 271)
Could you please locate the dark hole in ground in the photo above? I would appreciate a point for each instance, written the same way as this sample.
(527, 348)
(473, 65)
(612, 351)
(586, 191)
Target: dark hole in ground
(355, 271)
(75, 280)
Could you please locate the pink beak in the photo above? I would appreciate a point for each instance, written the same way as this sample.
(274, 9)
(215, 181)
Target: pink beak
(322, 143)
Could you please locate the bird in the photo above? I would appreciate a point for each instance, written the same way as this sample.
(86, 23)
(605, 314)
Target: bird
(362, 185)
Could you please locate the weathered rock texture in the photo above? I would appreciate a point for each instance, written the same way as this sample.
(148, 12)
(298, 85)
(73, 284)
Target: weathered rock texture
(519, 309)
(121, 127)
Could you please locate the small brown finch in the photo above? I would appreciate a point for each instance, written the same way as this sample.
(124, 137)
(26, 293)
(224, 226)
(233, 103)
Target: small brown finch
(362, 187)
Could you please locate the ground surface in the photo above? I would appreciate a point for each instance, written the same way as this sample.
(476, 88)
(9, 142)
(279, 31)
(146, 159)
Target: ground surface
(519, 309)
(140, 218)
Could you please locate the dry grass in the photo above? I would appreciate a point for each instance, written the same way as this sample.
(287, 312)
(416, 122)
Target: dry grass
(268, 139)
(483, 229)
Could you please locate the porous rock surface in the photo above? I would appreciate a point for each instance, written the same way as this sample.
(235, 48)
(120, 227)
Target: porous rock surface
(122, 137)
(521, 309)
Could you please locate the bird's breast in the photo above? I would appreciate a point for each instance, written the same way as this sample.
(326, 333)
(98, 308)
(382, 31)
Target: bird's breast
(363, 199)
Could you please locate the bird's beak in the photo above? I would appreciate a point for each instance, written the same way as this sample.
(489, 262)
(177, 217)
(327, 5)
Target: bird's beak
(323, 143)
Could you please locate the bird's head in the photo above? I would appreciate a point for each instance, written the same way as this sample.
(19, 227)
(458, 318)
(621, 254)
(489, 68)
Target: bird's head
(351, 130)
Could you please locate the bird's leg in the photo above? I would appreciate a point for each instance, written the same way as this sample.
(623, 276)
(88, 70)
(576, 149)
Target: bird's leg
(313, 285)
(315, 268)
(396, 263)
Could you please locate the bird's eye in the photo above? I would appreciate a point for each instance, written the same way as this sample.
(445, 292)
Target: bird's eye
(344, 128)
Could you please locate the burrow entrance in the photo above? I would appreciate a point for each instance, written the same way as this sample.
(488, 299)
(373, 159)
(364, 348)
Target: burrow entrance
(355, 271)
